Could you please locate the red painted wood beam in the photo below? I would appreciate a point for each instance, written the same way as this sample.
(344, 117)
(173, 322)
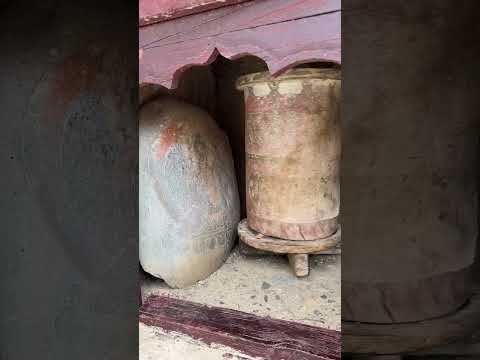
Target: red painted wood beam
(250, 334)
(153, 11)
(281, 32)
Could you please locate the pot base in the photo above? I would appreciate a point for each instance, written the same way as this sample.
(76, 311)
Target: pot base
(297, 250)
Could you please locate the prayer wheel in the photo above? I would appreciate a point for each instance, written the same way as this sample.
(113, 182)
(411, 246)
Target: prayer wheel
(292, 143)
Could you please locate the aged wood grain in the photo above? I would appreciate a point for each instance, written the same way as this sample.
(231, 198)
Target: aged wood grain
(248, 250)
(411, 337)
(281, 246)
(254, 336)
(299, 264)
(310, 32)
(234, 18)
(153, 11)
(292, 174)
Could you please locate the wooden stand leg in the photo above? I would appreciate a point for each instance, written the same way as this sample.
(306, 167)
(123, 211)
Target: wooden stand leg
(254, 243)
(299, 264)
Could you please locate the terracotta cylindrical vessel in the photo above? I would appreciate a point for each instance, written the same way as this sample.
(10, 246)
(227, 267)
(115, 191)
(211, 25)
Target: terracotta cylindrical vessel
(292, 144)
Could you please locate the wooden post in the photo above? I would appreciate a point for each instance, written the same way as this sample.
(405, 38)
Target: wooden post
(299, 264)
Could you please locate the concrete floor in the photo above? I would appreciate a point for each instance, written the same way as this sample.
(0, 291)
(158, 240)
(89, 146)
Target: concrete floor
(261, 285)
(156, 344)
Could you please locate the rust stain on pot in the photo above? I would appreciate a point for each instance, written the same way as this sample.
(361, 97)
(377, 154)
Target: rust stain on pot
(292, 141)
(167, 139)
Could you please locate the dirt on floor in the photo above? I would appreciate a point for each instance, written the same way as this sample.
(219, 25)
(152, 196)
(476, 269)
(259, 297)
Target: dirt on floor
(264, 286)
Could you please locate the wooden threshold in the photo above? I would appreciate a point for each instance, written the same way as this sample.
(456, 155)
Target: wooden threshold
(252, 335)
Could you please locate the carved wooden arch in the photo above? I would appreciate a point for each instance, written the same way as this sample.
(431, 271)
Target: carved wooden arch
(283, 33)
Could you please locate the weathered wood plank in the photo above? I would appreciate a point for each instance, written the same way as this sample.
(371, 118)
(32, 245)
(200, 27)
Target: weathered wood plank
(254, 336)
(310, 32)
(153, 11)
(282, 246)
(299, 264)
(243, 16)
(248, 250)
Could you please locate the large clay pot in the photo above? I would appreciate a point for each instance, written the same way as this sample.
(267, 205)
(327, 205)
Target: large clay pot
(292, 145)
(189, 205)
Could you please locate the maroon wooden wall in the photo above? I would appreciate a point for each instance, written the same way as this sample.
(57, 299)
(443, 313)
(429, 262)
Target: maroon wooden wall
(152, 11)
(283, 33)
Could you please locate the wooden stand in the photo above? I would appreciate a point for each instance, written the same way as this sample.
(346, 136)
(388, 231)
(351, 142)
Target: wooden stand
(297, 250)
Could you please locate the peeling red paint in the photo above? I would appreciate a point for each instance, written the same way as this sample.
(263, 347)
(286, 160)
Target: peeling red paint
(153, 11)
(168, 138)
(312, 31)
(259, 337)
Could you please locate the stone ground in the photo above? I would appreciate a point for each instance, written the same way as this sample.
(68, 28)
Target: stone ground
(156, 344)
(264, 286)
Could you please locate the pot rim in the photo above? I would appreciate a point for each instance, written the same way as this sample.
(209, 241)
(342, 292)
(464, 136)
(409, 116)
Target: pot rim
(298, 73)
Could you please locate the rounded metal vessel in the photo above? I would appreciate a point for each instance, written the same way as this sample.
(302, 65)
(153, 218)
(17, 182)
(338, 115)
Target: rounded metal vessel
(292, 143)
(188, 196)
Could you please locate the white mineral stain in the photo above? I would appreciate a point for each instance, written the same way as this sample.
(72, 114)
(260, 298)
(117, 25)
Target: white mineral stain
(322, 84)
(290, 87)
(261, 89)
